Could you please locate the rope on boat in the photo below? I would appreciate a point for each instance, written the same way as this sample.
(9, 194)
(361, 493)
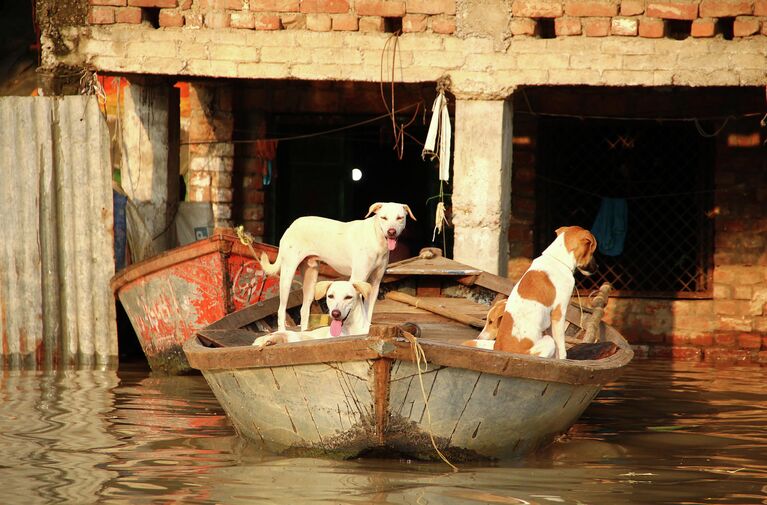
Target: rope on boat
(246, 239)
(418, 355)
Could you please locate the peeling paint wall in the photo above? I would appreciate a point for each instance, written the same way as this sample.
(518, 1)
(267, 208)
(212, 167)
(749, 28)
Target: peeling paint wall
(56, 255)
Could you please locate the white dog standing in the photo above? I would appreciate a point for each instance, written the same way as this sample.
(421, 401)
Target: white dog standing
(345, 302)
(359, 249)
(539, 300)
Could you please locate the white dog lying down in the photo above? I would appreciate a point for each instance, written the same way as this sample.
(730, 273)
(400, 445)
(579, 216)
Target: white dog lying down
(538, 302)
(345, 302)
(359, 249)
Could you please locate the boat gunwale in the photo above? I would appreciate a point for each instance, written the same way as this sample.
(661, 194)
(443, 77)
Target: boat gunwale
(220, 241)
(388, 346)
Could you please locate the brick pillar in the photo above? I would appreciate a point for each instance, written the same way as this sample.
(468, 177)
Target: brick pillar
(740, 260)
(482, 185)
(249, 190)
(149, 169)
(211, 151)
(523, 196)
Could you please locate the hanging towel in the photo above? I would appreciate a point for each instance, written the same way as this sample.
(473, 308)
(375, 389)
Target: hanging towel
(610, 226)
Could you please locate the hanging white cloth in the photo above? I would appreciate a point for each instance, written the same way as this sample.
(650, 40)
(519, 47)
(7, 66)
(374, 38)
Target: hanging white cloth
(439, 132)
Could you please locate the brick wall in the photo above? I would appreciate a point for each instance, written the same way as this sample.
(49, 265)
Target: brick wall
(730, 327)
(211, 152)
(589, 18)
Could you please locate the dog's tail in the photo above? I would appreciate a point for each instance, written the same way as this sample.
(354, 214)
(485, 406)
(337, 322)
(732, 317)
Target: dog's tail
(270, 268)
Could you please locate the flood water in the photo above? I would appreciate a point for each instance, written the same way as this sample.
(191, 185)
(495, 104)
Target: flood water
(666, 433)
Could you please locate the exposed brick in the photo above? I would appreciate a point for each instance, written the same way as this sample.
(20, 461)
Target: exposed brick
(522, 26)
(347, 22)
(293, 21)
(627, 27)
(651, 28)
(383, 8)
(760, 8)
(703, 340)
(749, 341)
(672, 10)
(443, 25)
(266, 22)
(591, 8)
(704, 27)
(536, 9)
(128, 15)
(677, 340)
(725, 339)
(761, 357)
(255, 228)
(234, 5)
(185, 4)
(371, 24)
(275, 5)
(319, 22)
(171, 18)
(430, 7)
(253, 213)
(101, 16)
(325, 6)
(744, 140)
(242, 20)
(725, 8)
(217, 19)
(153, 3)
(596, 27)
(567, 26)
(113, 3)
(729, 356)
(192, 19)
(632, 7)
(414, 23)
(745, 26)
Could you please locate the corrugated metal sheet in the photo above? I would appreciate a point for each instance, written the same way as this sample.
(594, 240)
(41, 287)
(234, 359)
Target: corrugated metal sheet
(56, 252)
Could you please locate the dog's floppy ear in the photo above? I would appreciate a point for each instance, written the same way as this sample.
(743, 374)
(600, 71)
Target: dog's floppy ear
(409, 212)
(363, 288)
(374, 208)
(561, 230)
(321, 288)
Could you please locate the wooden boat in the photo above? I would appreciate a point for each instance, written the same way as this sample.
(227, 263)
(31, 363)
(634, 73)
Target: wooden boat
(170, 296)
(351, 396)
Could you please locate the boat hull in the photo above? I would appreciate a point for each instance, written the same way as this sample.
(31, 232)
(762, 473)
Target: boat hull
(329, 409)
(355, 395)
(171, 296)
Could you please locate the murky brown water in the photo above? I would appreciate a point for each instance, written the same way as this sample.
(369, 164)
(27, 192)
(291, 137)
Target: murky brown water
(667, 433)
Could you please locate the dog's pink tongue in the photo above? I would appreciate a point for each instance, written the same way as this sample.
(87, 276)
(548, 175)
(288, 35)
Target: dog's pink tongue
(391, 243)
(335, 327)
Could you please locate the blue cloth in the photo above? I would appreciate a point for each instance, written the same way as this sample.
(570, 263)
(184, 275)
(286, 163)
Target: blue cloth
(610, 226)
(119, 202)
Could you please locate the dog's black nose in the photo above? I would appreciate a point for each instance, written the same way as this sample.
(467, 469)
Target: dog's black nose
(335, 314)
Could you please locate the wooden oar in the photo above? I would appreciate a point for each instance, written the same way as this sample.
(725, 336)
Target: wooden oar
(436, 309)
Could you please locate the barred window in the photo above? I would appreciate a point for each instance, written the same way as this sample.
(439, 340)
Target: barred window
(663, 171)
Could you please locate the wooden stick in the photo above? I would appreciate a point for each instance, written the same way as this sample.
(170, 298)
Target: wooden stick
(598, 306)
(436, 309)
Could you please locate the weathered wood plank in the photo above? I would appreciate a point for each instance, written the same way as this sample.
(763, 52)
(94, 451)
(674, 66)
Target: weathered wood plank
(256, 311)
(437, 309)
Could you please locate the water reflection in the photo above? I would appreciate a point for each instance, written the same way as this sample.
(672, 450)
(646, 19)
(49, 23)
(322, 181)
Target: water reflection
(668, 433)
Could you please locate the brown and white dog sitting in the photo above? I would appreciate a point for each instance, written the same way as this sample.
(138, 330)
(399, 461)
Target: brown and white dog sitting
(538, 302)
(346, 307)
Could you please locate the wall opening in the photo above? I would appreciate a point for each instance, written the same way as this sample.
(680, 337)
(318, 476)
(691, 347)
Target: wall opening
(545, 28)
(725, 27)
(393, 25)
(678, 29)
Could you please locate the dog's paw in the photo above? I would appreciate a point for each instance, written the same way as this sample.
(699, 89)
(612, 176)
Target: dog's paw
(267, 340)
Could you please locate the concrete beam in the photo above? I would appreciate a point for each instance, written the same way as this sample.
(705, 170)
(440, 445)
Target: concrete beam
(482, 183)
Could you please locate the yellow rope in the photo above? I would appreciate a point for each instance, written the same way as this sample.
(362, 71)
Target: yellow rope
(418, 355)
(246, 239)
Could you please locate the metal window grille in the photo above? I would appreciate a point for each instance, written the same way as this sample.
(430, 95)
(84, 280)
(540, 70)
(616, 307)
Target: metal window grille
(665, 173)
